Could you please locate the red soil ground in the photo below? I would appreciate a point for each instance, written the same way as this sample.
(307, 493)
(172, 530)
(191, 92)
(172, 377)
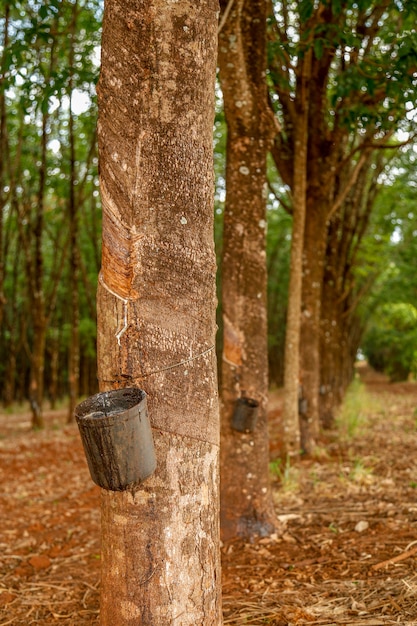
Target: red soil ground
(344, 552)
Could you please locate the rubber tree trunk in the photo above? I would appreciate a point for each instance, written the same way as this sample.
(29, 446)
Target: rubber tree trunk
(246, 504)
(342, 292)
(313, 268)
(299, 202)
(156, 306)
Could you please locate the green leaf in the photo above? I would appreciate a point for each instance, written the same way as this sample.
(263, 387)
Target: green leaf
(43, 11)
(318, 48)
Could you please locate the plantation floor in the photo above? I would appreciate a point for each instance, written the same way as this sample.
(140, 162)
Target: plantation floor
(345, 550)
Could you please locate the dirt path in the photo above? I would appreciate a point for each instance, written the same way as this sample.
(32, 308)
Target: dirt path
(340, 518)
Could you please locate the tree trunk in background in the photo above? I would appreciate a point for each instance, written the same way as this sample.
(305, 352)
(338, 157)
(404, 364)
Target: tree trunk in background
(299, 202)
(53, 356)
(246, 503)
(3, 151)
(156, 306)
(37, 296)
(341, 294)
(13, 325)
(35, 264)
(305, 172)
(313, 268)
(336, 153)
(74, 347)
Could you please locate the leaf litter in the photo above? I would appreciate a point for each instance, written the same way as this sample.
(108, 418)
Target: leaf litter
(344, 552)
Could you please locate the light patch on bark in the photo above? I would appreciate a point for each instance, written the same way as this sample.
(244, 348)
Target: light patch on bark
(190, 509)
(129, 610)
(233, 339)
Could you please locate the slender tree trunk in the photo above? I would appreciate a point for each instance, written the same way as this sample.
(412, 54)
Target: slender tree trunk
(291, 428)
(12, 325)
(332, 355)
(340, 333)
(53, 355)
(247, 508)
(156, 306)
(293, 327)
(313, 269)
(37, 296)
(74, 347)
(9, 381)
(3, 152)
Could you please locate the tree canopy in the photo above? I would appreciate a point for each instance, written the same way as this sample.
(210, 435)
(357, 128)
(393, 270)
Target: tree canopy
(361, 86)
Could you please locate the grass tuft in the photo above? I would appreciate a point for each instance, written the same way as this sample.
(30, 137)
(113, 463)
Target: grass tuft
(352, 418)
(287, 475)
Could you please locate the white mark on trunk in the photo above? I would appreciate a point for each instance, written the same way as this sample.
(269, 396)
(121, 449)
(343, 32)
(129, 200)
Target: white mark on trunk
(244, 170)
(125, 301)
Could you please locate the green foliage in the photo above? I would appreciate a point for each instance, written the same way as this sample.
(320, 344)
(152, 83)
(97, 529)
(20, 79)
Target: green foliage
(371, 86)
(368, 58)
(390, 343)
(389, 250)
(287, 474)
(278, 256)
(46, 70)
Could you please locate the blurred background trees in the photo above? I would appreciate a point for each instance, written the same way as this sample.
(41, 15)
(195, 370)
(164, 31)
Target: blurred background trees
(361, 187)
(50, 210)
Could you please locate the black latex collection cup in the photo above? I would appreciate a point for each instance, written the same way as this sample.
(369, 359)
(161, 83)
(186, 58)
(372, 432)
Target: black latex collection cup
(245, 415)
(117, 438)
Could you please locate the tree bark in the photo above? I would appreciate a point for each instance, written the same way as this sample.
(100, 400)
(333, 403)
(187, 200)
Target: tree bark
(37, 295)
(292, 382)
(246, 503)
(4, 153)
(74, 347)
(313, 270)
(341, 328)
(156, 306)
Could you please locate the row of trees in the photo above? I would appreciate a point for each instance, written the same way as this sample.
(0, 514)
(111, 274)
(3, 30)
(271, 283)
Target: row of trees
(325, 134)
(351, 65)
(324, 88)
(343, 80)
(330, 102)
(50, 211)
